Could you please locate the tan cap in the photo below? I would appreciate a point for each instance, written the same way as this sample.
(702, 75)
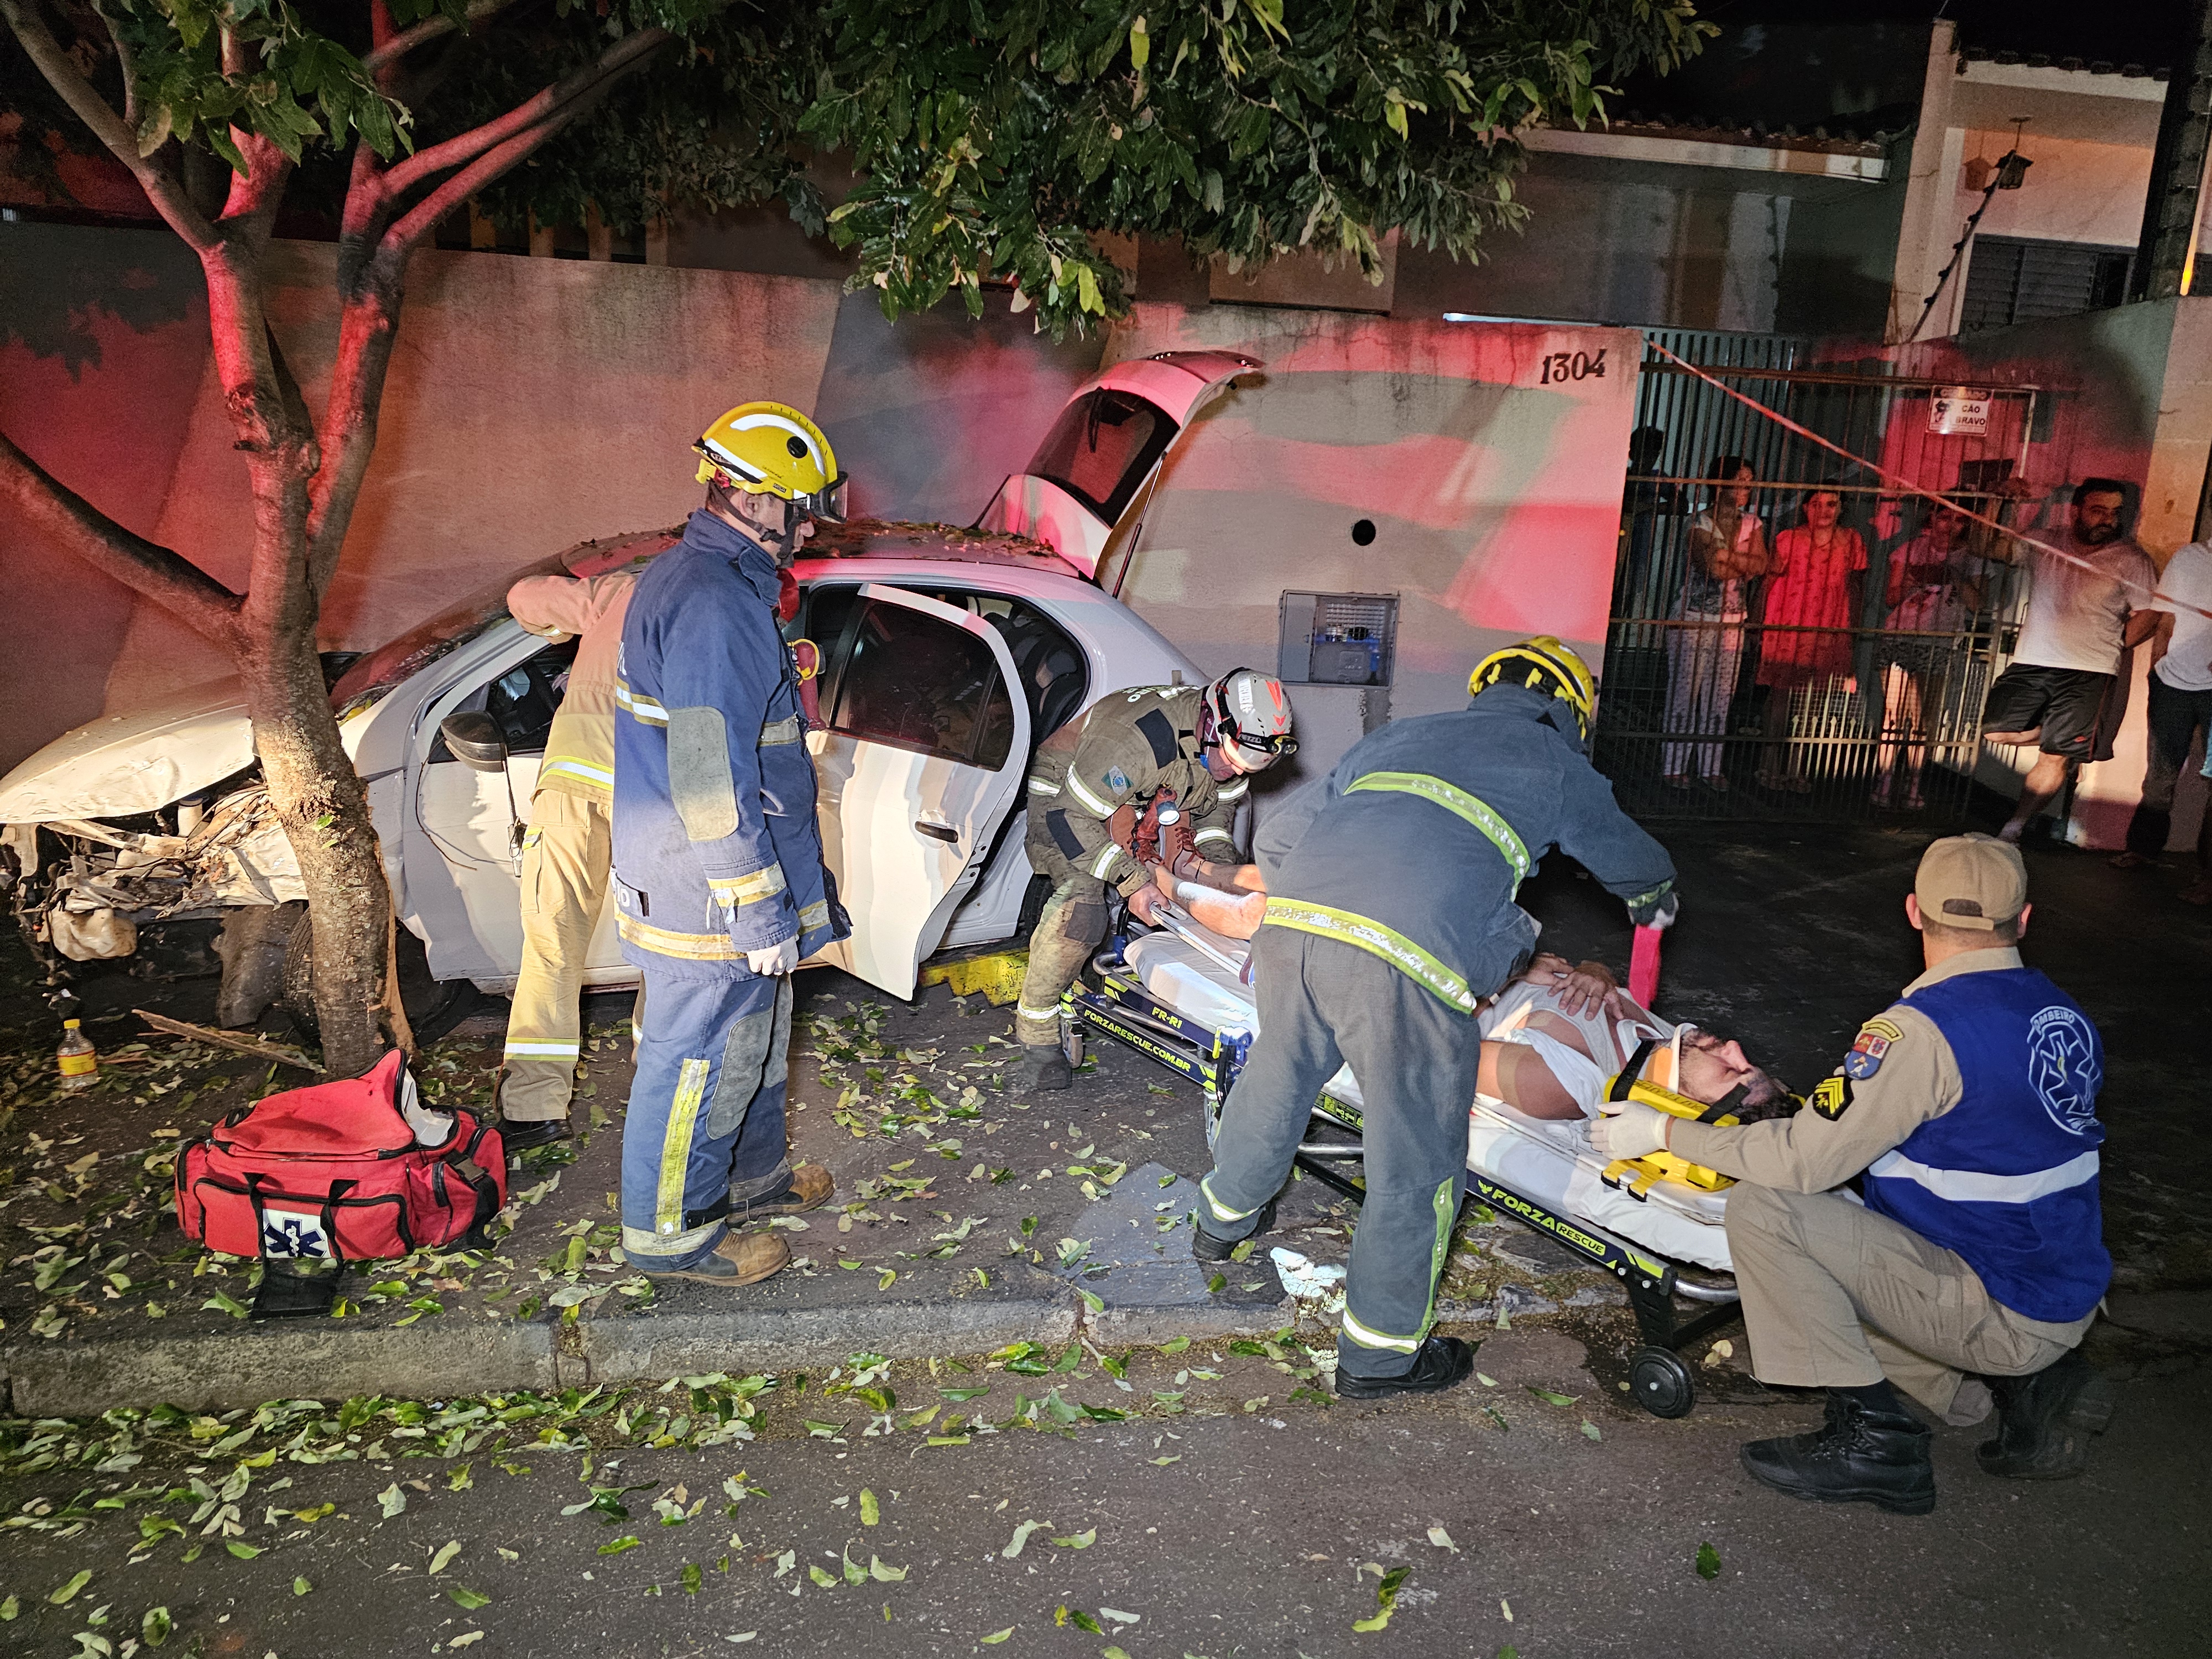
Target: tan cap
(1971, 881)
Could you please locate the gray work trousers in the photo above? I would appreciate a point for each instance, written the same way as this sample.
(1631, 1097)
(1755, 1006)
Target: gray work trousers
(1837, 1295)
(1068, 931)
(1324, 1003)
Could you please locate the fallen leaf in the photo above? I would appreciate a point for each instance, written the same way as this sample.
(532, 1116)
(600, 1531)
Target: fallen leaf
(469, 1640)
(996, 1637)
(1487, 1381)
(1119, 1617)
(1014, 1546)
(871, 1511)
(826, 1580)
(154, 1626)
(617, 1545)
(884, 1574)
(243, 1552)
(1551, 1399)
(1386, 1599)
(1591, 1430)
(691, 1577)
(1505, 1608)
(1443, 1539)
(301, 1587)
(392, 1500)
(447, 1552)
(1709, 1562)
(67, 1593)
(1082, 1540)
(462, 1596)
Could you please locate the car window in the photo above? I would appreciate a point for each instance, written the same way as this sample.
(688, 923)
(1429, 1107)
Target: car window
(523, 700)
(923, 685)
(1101, 448)
(1050, 666)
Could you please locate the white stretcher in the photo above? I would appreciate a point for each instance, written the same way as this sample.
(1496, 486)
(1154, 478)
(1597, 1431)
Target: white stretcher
(1181, 996)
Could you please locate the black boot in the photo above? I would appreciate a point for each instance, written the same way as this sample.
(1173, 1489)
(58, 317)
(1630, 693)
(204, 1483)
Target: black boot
(2046, 1420)
(1205, 1246)
(1862, 1456)
(1443, 1361)
(1041, 1066)
(520, 1135)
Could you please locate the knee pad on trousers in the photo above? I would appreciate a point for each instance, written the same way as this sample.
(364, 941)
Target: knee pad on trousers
(1083, 920)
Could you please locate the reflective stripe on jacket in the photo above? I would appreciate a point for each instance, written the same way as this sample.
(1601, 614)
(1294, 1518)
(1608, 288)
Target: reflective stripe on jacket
(716, 848)
(1127, 747)
(579, 754)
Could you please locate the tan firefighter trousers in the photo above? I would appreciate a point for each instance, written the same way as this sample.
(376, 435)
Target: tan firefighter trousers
(566, 854)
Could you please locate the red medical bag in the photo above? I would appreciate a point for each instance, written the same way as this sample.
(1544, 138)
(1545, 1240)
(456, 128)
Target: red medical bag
(336, 1171)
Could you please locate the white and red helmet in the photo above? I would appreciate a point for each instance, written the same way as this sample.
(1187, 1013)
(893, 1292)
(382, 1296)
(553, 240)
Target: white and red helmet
(1247, 710)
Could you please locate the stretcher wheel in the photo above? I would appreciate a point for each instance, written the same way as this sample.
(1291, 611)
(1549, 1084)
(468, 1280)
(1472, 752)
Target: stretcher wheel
(1661, 1382)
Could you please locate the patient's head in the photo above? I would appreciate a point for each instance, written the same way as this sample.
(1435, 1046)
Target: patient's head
(1714, 1067)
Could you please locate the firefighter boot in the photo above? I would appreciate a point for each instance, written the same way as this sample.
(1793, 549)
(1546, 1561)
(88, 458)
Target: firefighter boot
(1864, 1456)
(1205, 1246)
(1041, 1066)
(2046, 1420)
(1443, 1361)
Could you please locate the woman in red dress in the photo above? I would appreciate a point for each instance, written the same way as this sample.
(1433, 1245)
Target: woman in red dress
(1815, 579)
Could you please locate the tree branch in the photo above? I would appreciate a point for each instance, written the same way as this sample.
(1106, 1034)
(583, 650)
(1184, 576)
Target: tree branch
(163, 190)
(388, 52)
(624, 55)
(251, 208)
(173, 583)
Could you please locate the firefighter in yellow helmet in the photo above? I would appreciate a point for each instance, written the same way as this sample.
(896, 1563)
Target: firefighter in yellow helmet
(1389, 918)
(720, 887)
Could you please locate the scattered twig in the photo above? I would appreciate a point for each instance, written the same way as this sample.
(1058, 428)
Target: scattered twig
(185, 1028)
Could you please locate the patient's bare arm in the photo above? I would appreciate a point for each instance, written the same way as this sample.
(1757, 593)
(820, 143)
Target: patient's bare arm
(1232, 913)
(1229, 878)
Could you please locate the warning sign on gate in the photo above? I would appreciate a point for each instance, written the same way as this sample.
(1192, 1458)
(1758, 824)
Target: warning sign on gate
(1959, 411)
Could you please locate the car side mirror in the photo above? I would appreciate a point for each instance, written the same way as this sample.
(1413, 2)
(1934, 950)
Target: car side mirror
(476, 740)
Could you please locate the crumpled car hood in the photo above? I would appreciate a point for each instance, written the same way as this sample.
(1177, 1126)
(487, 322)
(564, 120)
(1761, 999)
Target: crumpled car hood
(134, 763)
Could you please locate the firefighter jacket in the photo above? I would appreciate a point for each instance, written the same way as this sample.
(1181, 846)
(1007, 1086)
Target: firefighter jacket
(579, 755)
(1426, 828)
(716, 849)
(1126, 749)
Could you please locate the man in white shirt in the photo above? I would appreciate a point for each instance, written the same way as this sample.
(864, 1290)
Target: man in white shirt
(2181, 706)
(2079, 621)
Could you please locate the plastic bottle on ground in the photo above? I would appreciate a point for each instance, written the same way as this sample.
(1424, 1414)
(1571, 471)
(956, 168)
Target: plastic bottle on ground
(77, 1060)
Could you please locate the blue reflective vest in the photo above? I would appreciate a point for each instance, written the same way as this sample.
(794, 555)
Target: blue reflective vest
(2008, 1177)
(718, 854)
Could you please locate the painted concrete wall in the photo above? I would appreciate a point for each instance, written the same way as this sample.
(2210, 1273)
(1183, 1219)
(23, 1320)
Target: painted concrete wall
(532, 403)
(2077, 190)
(1495, 498)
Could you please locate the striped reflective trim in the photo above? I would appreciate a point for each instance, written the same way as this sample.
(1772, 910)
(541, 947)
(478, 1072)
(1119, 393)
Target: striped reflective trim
(1214, 835)
(1050, 1012)
(568, 766)
(692, 947)
(533, 1048)
(1368, 1337)
(1042, 787)
(762, 884)
(644, 708)
(1974, 1187)
(1221, 1211)
(1233, 792)
(1373, 937)
(1447, 1211)
(1104, 860)
(1078, 788)
(789, 729)
(675, 1150)
(814, 915)
(1457, 801)
(636, 1240)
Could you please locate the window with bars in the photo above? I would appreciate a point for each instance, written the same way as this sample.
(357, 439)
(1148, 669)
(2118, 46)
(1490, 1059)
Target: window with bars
(2012, 279)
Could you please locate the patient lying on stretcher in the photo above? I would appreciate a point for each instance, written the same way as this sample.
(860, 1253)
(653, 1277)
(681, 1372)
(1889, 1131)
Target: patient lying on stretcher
(1553, 1038)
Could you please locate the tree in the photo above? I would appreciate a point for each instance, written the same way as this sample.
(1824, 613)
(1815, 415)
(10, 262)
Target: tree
(990, 142)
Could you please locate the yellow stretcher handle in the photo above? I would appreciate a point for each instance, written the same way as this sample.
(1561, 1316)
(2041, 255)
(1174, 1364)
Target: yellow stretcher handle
(1658, 1166)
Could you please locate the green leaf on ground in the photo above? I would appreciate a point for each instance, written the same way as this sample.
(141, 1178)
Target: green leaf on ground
(1591, 1430)
(1386, 1597)
(462, 1596)
(447, 1552)
(996, 1637)
(1443, 1539)
(392, 1500)
(243, 1552)
(154, 1627)
(854, 1572)
(1175, 1344)
(1216, 1285)
(1709, 1561)
(10, 1608)
(616, 1546)
(301, 1587)
(1065, 1616)
(1014, 1546)
(67, 1593)
(1081, 1541)
(1551, 1399)
(691, 1577)
(826, 1580)
(871, 1512)
(882, 1573)
(222, 1301)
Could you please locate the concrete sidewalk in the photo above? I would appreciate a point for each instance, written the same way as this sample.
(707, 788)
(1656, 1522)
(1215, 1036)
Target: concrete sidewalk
(965, 1220)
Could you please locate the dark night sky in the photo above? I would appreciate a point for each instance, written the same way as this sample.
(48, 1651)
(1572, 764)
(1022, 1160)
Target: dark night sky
(2146, 32)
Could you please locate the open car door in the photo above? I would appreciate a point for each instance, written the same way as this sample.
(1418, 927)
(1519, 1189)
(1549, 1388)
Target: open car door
(921, 755)
(1105, 447)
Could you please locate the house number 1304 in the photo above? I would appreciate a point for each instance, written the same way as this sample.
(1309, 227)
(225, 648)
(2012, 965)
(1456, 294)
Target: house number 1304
(1561, 365)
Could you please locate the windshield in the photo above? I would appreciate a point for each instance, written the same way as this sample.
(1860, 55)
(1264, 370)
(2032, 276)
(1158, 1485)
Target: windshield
(378, 671)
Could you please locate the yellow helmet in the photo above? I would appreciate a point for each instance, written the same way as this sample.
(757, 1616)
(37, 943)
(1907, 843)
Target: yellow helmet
(1544, 665)
(772, 449)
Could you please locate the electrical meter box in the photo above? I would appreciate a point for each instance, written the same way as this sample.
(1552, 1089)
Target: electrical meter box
(1337, 639)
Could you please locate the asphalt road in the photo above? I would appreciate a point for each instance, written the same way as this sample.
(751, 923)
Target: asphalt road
(1213, 1531)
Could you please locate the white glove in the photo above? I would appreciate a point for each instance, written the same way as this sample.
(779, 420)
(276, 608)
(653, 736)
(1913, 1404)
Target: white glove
(774, 959)
(1630, 1133)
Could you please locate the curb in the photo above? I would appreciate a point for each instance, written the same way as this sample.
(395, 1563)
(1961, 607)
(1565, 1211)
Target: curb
(245, 1367)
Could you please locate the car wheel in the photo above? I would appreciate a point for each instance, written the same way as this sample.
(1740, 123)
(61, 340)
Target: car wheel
(433, 1007)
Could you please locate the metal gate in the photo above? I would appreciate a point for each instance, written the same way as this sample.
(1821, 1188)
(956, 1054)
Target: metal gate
(1777, 697)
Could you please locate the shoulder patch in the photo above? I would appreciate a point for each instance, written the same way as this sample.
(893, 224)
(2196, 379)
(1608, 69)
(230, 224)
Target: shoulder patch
(1116, 779)
(1832, 1098)
(1159, 731)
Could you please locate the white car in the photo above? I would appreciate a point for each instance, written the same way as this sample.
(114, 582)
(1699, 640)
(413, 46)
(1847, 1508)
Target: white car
(945, 659)
(156, 817)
